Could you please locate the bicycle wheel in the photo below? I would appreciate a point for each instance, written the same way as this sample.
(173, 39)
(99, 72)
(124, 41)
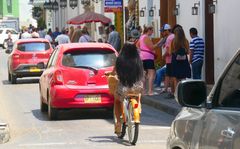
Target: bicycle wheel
(133, 128)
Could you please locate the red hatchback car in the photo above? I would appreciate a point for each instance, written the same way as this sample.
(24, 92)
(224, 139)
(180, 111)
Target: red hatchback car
(28, 57)
(74, 78)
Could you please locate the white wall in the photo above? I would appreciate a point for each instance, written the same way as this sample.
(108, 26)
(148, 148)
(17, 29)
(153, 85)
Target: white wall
(187, 20)
(146, 20)
(226, 33)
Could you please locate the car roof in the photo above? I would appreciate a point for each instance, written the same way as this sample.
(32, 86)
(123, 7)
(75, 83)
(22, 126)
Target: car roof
(7, 28)
(31, 40)
(85, 45)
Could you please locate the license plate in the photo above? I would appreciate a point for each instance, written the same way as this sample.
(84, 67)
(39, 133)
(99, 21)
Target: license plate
(92, 99)
(34, 69)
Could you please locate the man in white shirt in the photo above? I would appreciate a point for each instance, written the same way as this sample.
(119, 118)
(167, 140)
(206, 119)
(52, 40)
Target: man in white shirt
(62, 38)
(25, 34)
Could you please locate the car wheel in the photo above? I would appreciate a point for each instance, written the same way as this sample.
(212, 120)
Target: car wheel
(52, 112)
(13, 79)
(43, 106)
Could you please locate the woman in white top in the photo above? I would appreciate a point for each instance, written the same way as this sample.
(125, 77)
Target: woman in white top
(85, 37)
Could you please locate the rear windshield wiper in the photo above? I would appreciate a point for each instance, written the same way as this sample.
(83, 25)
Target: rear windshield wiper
(87, 67)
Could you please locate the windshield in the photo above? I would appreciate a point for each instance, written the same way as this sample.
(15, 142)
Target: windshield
(33, 47)
(90, 59)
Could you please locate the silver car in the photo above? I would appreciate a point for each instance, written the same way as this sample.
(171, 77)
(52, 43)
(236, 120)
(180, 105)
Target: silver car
(211, 122)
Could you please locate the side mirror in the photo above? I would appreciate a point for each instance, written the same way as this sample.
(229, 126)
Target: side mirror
(41, 65)
(8, 51)
(191, 93)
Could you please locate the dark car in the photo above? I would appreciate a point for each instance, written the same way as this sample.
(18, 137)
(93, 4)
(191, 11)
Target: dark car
(28, 57)
(209, 122)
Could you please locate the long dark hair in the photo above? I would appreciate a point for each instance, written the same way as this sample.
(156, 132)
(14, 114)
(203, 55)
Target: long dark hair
(129, 66)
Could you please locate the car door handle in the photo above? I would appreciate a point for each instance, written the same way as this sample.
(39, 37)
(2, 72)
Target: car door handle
(228, 133)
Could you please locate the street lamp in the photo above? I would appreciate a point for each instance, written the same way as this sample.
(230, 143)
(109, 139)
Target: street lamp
(73, 3)
(85, 2)
(195, 8)
(151, 11)
(63, 3)
(55, 5)
(176, 10)
(211, 7)
(142, 12)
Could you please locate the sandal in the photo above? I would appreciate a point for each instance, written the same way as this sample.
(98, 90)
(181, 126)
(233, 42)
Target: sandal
(117, 128)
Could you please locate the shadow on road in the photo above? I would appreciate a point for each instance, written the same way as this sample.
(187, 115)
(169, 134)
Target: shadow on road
(22, 81)
(76, 114)
(108, 139)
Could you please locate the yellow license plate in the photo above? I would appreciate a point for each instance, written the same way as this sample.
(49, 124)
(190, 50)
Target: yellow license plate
(34, 69)
(92, 99)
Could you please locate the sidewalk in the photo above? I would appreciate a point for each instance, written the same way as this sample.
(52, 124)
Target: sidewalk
(160, 102)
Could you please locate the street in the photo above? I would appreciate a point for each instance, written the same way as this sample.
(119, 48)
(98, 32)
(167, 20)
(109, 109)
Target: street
(29, 128)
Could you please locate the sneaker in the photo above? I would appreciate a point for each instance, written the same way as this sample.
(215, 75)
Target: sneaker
(169, 96)
(158, 88)
(162, 91)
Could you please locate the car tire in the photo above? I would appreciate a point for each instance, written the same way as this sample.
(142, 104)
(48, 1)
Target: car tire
(13, 79)
(52, 112)
(9, 77)
(43, 106)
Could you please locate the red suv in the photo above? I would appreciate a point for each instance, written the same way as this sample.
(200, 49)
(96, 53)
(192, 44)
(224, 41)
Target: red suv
(74, 78)
(28, 58)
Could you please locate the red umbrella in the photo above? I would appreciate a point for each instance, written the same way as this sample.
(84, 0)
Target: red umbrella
(88, 17)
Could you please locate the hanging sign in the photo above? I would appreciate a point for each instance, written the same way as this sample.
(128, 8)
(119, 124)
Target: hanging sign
(113, 5)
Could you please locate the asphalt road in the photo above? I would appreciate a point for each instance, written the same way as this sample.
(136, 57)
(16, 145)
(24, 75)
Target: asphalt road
(30, 129)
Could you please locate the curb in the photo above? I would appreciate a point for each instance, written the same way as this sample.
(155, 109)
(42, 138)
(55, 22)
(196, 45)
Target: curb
(4, 133)
(155, 103)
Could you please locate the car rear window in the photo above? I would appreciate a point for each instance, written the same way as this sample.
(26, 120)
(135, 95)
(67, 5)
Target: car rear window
(94, 59)
(33, 46)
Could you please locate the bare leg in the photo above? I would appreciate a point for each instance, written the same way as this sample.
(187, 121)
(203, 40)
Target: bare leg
(151, 77)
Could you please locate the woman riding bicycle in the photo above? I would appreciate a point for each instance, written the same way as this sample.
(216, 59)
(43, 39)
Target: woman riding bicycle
(129, 70)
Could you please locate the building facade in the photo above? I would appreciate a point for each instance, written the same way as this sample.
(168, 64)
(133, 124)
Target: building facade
(219, 27)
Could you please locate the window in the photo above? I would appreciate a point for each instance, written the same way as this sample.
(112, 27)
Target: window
(53, 58)
(1, 31)
(229, 93)
(89, 58)
(33, 47)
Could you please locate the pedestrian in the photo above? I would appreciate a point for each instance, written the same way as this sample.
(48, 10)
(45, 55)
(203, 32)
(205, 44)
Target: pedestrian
(42, 32)
(160, 75)
(35, 33)
(56, 33)
(147, 53)
(62, 38)
(166, 31)
(71, 31)
(85, 36)
(9, 42)
(76, 35)
(48, 36)
(197, 50)
(25, 33)
(180, 50)
(114, 38)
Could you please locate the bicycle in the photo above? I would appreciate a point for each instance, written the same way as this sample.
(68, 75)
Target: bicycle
(131, 110)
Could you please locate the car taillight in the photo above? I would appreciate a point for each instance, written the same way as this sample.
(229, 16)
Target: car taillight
(58, 78)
